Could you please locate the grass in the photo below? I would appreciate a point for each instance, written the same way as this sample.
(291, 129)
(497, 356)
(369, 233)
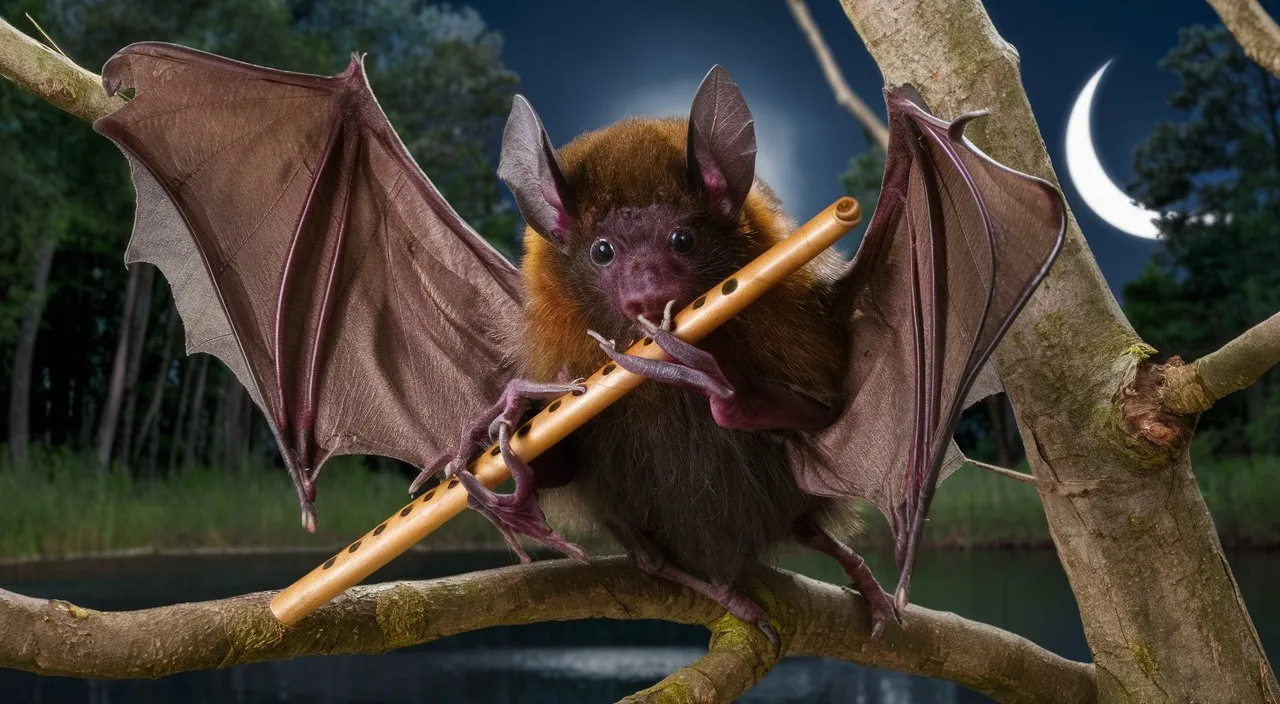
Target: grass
(64, 506)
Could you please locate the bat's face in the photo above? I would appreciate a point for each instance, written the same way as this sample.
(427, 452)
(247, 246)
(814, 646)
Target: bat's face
(645, 257)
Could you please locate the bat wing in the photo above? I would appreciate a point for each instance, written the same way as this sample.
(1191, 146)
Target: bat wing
(956, 246)
(309, 253)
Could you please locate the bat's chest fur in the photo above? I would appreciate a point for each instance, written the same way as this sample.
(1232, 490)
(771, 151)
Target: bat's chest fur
(713, 500)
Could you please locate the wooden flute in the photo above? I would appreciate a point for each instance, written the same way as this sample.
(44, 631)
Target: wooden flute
(560, 417)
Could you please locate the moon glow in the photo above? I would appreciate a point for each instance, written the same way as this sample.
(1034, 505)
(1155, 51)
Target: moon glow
(1097, 189)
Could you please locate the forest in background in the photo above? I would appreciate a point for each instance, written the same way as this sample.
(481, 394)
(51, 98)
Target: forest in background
(105, 410)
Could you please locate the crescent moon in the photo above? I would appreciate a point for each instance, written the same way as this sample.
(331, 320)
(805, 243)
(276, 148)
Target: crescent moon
(1097, 189)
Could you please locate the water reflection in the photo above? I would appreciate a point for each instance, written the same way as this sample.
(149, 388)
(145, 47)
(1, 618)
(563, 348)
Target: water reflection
(582, 661)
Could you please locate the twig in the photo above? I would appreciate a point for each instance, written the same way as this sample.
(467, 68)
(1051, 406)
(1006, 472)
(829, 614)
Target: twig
(1010, 473)
(44, 34)
(845, 96)
(1193, 388)
(1254, 29)
(52, 77)
(811, 617)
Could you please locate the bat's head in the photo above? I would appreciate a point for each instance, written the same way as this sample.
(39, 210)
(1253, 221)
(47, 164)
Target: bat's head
(643, 212)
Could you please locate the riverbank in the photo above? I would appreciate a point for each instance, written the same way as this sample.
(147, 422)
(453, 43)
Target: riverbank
(64, 507)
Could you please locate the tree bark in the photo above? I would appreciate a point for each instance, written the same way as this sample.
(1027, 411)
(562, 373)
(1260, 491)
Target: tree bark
(1161, 610)
(137, 345)
(25, 350)
(1254, 29)
(812, 618)
(115, 388)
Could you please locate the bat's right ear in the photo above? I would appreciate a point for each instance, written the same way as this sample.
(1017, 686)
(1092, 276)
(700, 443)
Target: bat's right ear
(529, 168)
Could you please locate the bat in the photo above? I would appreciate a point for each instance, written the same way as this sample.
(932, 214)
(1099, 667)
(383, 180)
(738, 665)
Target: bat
(309, 253)
(562, 416)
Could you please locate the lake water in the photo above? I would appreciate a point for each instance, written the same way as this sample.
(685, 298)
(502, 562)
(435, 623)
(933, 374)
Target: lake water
(582, 661)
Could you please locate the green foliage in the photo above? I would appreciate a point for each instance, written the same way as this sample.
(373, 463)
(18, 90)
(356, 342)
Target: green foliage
(1217, 174)
(437, 71)
(862, 181)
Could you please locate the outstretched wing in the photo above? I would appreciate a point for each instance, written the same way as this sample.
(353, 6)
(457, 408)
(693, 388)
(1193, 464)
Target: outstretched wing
(955, 248)
(309, 253)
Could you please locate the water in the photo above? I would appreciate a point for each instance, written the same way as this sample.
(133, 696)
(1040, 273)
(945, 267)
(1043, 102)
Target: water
(582, 661)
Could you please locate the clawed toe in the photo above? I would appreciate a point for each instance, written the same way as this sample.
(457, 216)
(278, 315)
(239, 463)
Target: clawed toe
(767, 629)
(882, 611)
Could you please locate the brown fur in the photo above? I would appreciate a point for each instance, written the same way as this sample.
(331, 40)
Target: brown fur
(656, 464)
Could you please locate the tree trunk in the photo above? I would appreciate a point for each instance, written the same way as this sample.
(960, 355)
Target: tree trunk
(232, 420)
(115, 388)
(997, 413)
(24, 354)
(177, 437)
(195, 413)
(151, 420)
(1161, 610)
(137, 344)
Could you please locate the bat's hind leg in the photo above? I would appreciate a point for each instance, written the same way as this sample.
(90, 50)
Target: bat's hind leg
(810, 533)
(517, 513)
(650, 560)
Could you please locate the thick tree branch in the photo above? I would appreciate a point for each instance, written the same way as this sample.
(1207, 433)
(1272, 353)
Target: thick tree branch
(1254, 29)
(1194, 388)
(52, 76)
(845, 96)
(813, 618)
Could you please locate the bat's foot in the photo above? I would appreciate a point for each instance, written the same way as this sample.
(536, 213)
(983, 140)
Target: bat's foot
(693, 368)
(484, 429)
(651, 561)
(517, 513)
(879, 603)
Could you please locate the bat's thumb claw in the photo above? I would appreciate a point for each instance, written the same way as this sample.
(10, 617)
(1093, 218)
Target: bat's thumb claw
(900, 599)
(309, 517)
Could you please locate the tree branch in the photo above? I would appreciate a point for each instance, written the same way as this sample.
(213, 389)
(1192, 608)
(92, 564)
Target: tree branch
(812, 618)
(1254, 29)
(52, 76)
(1194, 388)
(845, 96)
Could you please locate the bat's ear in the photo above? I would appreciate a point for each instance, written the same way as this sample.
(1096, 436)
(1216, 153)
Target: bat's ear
(529, 168)
(722, 144)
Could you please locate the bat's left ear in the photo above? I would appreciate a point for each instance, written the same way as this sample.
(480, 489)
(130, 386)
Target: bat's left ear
(529, 168)
(722, 144)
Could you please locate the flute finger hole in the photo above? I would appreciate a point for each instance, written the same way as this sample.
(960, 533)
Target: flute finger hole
(729, 286)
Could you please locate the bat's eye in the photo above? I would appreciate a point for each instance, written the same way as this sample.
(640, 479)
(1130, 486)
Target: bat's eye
(681, 241)
(601, 252)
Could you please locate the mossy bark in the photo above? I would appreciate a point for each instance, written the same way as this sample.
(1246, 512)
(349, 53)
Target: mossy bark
(811, 618)
(1162, 613)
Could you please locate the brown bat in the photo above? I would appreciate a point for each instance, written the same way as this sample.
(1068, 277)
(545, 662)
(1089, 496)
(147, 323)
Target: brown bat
(309, 253)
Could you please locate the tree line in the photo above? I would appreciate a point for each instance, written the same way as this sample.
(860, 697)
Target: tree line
(95, 350)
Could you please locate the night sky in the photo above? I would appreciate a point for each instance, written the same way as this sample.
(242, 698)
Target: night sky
(586, 63)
